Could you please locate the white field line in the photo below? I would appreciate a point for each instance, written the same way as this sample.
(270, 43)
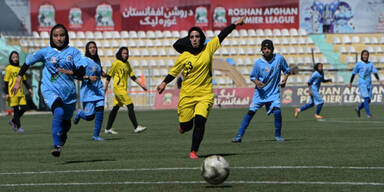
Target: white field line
(350, 121)
(196, 182)
(186, 168)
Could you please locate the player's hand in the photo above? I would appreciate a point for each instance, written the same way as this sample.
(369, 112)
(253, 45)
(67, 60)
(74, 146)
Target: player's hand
(349, 85)
(259, 84)
(103, 74)
(283, 83)
(161, 87)
(62, 70)
(30, 92)
(17, 86)
(6, 96)
(310, 92)
(144, 88)
(240, 21)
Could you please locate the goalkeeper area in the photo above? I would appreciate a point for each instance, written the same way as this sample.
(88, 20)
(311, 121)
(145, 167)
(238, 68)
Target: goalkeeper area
(340, 153)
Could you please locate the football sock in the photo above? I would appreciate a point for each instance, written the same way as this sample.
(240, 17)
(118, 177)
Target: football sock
(366, 106)
(278, 119)
(361, 105)
(244, 124)
(306, 106)
(58, 115)
(132, 116)
(318, 108)
(98, 123)
(112, 116)
(16, 116)
(198, 132)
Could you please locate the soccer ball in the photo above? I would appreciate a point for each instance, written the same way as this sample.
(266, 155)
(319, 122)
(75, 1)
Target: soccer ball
(215, 169)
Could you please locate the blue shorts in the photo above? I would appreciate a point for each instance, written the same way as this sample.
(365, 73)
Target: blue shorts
(90, 107)
(255, 105)
(315, 98)
(365, 91)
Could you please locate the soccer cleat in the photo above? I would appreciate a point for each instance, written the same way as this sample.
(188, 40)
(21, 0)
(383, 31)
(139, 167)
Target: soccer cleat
(318, 116)
(297, 112)
(236, 139)
(12, 124)
(56, 151)
(357, 112)
(181, 131)
(369, 116)
(96, 138)
(111, 131)
(140, 129)
(279, 139)
(20, 130)
(193, 155)
(76, 119)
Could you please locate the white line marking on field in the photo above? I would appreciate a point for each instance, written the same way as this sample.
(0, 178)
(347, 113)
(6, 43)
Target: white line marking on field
(186, 168)
(351, 121)
(196, 182)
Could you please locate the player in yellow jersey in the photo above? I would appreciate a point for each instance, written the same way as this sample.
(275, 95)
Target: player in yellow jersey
(120, 71)
(17, 101)
(196, 96)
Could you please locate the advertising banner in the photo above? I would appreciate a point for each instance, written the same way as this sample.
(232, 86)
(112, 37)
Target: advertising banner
(210, 14)
(290, 96)
(76, 15)
(335, 16)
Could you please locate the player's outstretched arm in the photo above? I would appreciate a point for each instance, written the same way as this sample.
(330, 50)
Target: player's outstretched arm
(141, 85)
(284, 81)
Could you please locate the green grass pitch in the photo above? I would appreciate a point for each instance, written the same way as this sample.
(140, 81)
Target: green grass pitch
(341, 153)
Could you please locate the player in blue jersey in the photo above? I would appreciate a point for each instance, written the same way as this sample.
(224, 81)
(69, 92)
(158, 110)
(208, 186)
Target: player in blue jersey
(266, 74)
(57, 88)
(92, 91)
(364, 69)
(314, 83)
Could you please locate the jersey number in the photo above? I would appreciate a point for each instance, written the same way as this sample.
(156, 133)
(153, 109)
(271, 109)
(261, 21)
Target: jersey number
(188, 68)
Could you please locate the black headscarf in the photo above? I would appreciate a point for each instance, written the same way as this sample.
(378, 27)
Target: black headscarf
(316, 68)
(269, 44)
(184, 44)
(66, 42)
(95, 57)
(119, 54)
(10, 59)
(361, 56)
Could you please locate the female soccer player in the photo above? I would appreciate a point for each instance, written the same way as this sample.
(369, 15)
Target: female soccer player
(196, 96)
(92, 91)
(57, 88)
(266, 75)
(16, 101)
(314, 83)
(364, 68)
(120, 71)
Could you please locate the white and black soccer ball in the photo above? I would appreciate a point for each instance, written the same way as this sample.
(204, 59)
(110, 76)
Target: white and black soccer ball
(215, 169)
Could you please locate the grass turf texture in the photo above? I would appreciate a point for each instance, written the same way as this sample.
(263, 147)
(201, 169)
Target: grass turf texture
(131, 162)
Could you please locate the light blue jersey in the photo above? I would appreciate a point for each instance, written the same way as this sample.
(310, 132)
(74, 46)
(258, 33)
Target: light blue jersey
(269, 73)
(365, 81)
(56, 84)
(91, 90)
(315, 82)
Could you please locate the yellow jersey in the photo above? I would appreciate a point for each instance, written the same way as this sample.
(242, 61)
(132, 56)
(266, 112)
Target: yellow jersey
(119, 72)
(10, 76)
(197, 70)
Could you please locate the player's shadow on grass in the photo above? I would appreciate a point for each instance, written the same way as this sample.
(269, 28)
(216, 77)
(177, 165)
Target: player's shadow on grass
(87, 161)
(111, 139)
(221, 154)
(219, 186)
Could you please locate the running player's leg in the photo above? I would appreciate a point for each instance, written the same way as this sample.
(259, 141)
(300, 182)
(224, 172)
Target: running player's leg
(202, 109)
(255, 105)
(98, 120)
(66, 124)
(366, 106)
(308, 105)
(132, 116)
(57, 124)
(274, 107)
(117, 103)
(112, 116)
(16, 116)
(185, 112)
